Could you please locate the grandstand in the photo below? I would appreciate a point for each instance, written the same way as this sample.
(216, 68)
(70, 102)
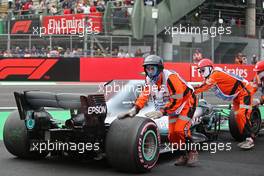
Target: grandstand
(128, 25)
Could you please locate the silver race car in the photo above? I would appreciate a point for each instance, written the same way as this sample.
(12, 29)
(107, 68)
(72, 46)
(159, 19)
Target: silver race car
(131, 144)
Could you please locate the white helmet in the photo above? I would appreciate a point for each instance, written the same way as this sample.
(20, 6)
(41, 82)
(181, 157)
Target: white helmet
(157, 62)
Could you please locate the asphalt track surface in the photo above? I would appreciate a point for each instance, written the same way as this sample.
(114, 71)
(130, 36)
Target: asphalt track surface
(233, 162)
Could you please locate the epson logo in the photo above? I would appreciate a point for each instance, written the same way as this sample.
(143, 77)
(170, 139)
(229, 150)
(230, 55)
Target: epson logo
(97, 110)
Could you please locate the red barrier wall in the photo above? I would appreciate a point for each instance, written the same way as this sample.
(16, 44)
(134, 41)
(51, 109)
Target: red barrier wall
(97, 69)
(105, 69)
(183, 69)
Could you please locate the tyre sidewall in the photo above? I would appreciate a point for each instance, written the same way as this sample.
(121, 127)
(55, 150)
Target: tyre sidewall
(256, 111)
(150, 126)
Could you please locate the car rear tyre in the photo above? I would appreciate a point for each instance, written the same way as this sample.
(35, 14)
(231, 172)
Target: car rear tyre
(16, 138)
(132, 144)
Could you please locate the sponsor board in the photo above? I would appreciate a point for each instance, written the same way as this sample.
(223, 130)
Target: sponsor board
(72, 24)
(39, 69)
(245, 71)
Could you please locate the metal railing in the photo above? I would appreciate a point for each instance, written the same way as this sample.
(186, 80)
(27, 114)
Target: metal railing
(25, 45)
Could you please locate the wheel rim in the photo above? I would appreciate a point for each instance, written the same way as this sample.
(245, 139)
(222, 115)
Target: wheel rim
(149, 146)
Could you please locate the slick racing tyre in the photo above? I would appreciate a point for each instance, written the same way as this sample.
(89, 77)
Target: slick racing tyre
(16, 138)
(132, 144)
(255, 120)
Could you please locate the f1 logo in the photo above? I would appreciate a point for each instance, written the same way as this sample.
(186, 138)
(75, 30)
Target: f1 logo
(35, 68)
(21, 26)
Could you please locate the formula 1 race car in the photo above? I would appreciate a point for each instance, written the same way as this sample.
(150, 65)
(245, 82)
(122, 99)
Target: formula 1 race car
(131, 144)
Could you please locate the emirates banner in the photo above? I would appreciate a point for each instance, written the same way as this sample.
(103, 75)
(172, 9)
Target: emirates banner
(105, 69)
(77, 24)
(245, 71)
(191, 74)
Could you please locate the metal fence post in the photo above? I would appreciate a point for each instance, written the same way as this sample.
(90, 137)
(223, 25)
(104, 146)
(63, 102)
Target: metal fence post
(192, 49)
(85, 36)
(129, 46)
(111, 46)
(260, 43)
(155, 32)
(71, 43)
(8, 35)
(92, 46)
(29, 42)
(50, 42)
(212, 49)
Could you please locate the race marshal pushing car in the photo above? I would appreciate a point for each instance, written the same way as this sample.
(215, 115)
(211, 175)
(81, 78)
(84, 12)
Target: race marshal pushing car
(228, 86)
(172, 96)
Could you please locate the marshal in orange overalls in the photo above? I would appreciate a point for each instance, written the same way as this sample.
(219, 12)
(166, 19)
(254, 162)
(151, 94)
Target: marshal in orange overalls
(228, 86)
(175, 98)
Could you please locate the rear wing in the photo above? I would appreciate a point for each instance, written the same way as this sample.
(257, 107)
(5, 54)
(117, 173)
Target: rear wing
(35, 100)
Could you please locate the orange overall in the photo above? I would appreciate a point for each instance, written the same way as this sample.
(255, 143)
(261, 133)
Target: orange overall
(256, 85)
(232, 87)
(179, 104)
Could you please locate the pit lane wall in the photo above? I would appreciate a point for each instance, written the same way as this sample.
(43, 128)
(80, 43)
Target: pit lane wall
(97, 69)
